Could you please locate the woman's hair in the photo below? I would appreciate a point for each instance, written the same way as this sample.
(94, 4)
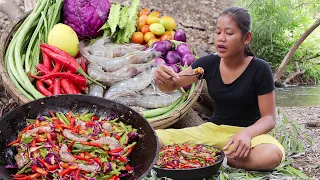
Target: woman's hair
(243, 20)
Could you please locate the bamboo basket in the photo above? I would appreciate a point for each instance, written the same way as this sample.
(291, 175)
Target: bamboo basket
(160, 123)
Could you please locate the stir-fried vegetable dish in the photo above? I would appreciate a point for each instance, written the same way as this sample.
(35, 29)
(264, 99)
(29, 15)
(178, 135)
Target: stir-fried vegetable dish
(74, 146)
(187, 156)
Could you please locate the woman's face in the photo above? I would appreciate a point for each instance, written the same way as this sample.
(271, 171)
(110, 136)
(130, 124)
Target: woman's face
(228, 37)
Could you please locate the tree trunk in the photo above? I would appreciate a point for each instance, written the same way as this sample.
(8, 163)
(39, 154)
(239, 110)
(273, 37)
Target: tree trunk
(292, 76)
(286, 59)
(10, 8)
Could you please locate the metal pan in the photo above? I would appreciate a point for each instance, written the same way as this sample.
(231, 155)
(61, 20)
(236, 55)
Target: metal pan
(192, 174)
(142, 158)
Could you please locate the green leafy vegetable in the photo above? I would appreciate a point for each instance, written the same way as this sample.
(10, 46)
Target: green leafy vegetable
(26, 138)
(114, 17)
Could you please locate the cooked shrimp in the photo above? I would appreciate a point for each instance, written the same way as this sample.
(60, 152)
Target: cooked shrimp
(107, 126)
(65, 155)
(35, 130)
(67, 133)
(110, 141)
(81, 123)
(89, 168)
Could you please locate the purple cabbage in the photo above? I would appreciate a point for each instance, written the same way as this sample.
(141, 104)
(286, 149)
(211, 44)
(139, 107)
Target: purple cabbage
(52, 158)
(106, 167)
(124, 175)
(132, 136)
(11, 166)
(41, 118)
(86, 17)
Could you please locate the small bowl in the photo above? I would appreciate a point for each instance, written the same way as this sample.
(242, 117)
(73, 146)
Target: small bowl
(192, 173)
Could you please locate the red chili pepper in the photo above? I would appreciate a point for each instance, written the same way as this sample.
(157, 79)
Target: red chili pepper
(116, 150)
(106, 133)
(69, 170)
(40, 139)
(43, 90)
(50, 138)
(98, 161)
(75, 78)
(19, 175)
(72, 121)
(67, 60)
(66, 127)
(90, 123)
(48, 82)
(52, 114)
(118, 137)
(33, 143)
(62, 57)
(88, 154)
(122, 159)
(128, 167)
(115, 177)
(91, 144)
(128, 152)
(70, 145)
(57, 87)
(30, 177)
(66, 86)
(43, 69)
(81, 158)
(57, 68)
(94, 118)
(76, 175)
(15, 141)
(83, 65)
(74, 88)
(77, 129)
(39, 170)
(82, 87)
(46, 61)
(112, 158)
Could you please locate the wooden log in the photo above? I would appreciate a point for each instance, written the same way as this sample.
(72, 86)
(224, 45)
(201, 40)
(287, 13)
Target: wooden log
(191, 119)
(203, 111)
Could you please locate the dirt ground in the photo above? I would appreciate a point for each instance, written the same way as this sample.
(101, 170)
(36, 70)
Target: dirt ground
(197, 19)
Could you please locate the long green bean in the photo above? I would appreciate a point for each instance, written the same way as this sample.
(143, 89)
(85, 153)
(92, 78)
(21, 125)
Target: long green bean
(159, 111)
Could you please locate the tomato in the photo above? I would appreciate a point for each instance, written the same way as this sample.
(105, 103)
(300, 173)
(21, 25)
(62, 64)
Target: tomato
(145, 29)
(144, 11)
(152, 19)
(137, 37)
(155, 13)
(166, 36)
(148, 36)
(142, 20)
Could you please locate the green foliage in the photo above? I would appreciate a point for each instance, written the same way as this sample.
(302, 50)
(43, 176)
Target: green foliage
(277, 25)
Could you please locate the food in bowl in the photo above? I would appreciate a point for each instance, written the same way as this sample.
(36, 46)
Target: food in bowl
(187, 156)
(74, 146)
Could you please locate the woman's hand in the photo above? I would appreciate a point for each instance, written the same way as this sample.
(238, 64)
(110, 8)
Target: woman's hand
(240, 145)
(164, 75)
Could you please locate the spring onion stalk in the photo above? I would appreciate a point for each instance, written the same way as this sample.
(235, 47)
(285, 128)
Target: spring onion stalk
(161, 110)
(170, 111)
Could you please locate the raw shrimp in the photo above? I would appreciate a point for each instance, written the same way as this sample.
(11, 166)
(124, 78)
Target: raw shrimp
(96, 72)
(65, 155)
(110, 141)
(104, 47)
(107, 126)
(151, 89)
(20, 161)
(96, 90)
(113, 64)
(89, 168)
(67, 133)
(135, 84)
(148, 100)
(156, 101)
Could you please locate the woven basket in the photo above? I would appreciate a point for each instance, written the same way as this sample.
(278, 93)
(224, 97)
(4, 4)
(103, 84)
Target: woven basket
(21, 99)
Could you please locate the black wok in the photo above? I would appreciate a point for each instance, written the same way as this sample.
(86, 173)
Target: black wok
(192, 174)
(142, 158)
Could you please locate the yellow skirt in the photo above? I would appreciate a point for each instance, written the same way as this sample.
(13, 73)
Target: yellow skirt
(211, 134)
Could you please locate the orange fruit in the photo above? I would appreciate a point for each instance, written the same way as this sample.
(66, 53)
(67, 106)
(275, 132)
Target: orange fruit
(142, 20)
(137, 37)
